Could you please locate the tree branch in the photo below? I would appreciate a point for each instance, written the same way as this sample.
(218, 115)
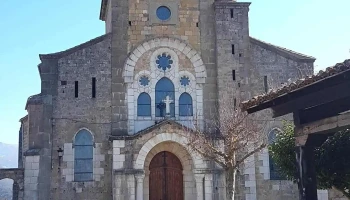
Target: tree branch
(249, 154)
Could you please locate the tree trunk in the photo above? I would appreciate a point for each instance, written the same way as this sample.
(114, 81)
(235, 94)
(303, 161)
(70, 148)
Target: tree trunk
(230, 183)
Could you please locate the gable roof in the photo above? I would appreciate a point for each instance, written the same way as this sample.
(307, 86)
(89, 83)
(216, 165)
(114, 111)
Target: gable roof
(282, 51)
(74, 49)
(297, 85)
(150, 129)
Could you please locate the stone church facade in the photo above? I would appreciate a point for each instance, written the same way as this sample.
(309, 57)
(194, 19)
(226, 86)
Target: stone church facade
(110, 115)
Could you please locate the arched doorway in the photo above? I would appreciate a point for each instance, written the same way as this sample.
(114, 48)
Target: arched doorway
(166, 178)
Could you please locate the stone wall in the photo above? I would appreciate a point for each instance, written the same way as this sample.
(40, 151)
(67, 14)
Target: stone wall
(72, 114)
(119, 53)
(17, 175)
(182, 24)
(278, 69)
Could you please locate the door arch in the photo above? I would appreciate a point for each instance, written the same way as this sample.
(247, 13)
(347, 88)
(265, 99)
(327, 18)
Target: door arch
(166, 178)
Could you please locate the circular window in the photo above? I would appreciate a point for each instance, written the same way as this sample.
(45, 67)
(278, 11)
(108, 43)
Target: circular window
(163, 13)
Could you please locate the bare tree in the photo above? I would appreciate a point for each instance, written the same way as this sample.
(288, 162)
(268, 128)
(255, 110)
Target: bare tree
(232, 139)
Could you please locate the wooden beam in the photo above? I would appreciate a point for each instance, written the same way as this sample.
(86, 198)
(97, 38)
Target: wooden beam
(314, 98)
(324, 126)
(324, 111)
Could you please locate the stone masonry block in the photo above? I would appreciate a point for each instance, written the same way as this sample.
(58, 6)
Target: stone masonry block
(118, 165)
(146, 46)
(118, 143)
(36, 159)
(186, 50)
(120, 158)
(133, 57)
(116, 151)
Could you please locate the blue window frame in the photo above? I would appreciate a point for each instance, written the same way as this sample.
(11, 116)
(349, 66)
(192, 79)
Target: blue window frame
(185, 105)
(144, 105)
(275, 173)
(83, 156)
(163, 13)
(164, 88)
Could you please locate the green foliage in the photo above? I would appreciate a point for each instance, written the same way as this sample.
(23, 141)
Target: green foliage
(282, 151)
(332, 158)
(333, 162)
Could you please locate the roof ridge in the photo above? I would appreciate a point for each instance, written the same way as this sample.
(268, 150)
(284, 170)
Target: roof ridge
(283, 50)
(71, 50)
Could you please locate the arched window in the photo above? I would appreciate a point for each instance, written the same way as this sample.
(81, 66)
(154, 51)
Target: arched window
(144, 105)
(275, 173)
(164, 88)
(185, 105)
(83, 156)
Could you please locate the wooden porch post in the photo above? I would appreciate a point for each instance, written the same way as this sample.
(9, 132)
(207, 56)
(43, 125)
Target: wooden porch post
(305, 158)
(306, 173)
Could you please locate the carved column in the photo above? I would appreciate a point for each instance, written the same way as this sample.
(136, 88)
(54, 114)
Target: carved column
(139, 186)
(199, 186)
(208, 186)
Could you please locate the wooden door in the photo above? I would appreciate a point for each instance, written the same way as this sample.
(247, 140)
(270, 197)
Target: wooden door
(166, 179)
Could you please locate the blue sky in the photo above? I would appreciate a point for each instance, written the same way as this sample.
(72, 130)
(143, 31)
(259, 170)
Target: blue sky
(314, 27)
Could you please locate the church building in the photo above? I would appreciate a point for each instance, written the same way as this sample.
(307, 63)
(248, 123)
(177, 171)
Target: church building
(109, 121)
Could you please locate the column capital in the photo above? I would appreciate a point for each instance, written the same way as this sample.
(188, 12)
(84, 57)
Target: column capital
(139, 177)
(199, 177)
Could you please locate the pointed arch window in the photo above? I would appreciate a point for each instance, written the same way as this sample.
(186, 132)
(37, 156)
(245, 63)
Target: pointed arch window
(144, 105)
(185, 105)
(164, 88)
(275, 172)
(83, 156)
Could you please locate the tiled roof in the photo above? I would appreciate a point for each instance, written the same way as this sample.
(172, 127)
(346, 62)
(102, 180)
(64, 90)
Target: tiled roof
(321, 75)
(282, 51)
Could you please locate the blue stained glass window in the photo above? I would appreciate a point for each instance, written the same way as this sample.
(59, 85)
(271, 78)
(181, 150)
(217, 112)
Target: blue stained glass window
(164, 61)
(163, 13)
(164, 88)
(144, 80)
(184, 81)
(83, 156)
(275, 172)
(144, 105)
(185, 105)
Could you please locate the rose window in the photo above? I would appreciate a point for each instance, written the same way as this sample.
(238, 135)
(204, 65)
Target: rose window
(184, 81)
(144, 81)
(164, 61)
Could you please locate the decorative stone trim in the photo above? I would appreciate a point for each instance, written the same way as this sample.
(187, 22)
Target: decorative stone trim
(190, 53)
(118, 157)
(188, 164)
(167, 137)
(68, 159)
(137, 123)
(31, 174)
